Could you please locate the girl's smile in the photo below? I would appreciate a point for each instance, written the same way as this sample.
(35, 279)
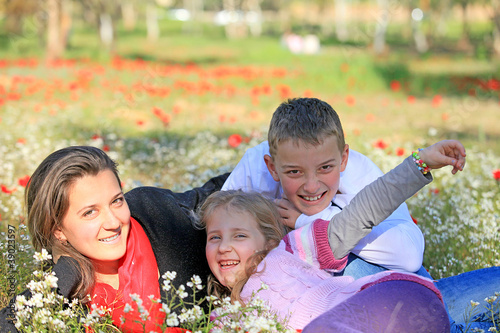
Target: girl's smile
(232, 238)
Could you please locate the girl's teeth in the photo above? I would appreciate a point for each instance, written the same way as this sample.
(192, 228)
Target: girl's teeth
(229, 263)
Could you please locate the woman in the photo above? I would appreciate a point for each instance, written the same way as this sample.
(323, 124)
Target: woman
(77, 211)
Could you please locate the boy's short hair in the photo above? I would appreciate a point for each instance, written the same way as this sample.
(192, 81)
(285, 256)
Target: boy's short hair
(306, 119)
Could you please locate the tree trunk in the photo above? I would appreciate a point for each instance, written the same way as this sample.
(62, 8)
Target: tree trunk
(254, 20)
(495, 19)
(341, 20)
(129, 16)
(235, 28)
(55, 47)
(106, 30)
(381, 27)
(152, 23)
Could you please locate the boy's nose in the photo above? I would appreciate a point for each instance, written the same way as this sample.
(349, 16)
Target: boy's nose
(312, 185)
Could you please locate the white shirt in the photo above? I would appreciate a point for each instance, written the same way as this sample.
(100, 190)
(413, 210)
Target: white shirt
(396, 243)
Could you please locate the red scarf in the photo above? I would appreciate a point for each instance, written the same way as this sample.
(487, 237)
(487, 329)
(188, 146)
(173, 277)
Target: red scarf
(138, 274)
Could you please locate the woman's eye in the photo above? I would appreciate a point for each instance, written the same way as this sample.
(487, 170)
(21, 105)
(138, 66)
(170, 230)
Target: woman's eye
(118, 201)
(89, 213)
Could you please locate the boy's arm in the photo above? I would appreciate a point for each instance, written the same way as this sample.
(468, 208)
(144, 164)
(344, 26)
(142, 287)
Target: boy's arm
(251, 174)
(374, 204)
(379, 199)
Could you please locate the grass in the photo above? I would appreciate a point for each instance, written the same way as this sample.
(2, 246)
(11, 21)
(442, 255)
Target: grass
(166, 120)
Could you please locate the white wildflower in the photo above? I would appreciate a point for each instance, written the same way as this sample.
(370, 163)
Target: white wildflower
(42, 256)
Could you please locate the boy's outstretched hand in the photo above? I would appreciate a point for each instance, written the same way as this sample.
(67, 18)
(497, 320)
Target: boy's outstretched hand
(443, 153)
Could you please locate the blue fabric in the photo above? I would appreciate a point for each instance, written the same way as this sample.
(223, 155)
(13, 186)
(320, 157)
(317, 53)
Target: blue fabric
(457, 291)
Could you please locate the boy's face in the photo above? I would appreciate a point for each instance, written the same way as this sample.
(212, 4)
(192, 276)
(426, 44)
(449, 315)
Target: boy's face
(309, 175)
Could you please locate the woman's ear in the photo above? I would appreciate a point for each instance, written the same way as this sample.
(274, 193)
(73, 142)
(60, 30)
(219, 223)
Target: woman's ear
(60, 235)
(271, 166)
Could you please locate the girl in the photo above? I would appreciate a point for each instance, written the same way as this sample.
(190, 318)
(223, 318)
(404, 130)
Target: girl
(243, 233)
(77, 211)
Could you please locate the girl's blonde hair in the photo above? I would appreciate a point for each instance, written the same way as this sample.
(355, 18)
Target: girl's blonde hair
(270, 225)
(47, 201)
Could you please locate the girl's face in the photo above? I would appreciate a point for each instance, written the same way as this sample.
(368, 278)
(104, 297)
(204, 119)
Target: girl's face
(232, 237)
(97, 222)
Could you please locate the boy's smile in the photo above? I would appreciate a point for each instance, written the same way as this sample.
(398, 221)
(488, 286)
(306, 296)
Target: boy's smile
(309, 175)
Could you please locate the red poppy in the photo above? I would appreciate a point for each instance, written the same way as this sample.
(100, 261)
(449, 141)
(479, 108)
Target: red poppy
(350, 100)
(234, 140)
(23, 181)
(434, 190)
(6, 190)
(370, 117)
(381, 144)
(308, 93)
(436, 101)
(21, 141)
(493, 84)
(445, 116)
(414, 219)
(105, 148)
(395, 85)
(400, 151)
(496, 174)
(411, 99)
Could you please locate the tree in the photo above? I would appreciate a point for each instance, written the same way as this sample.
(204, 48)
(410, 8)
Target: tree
(58, 26)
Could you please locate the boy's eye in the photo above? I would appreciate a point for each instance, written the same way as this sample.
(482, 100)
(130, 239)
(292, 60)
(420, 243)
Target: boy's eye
(293, 172)
(326, 167)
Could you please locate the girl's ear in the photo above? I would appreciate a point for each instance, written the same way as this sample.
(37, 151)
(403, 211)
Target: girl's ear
(345, 157)
(271, 166)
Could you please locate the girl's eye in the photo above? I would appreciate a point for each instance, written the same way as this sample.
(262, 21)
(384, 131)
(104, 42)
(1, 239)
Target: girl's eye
(241, 236)
(214, 238)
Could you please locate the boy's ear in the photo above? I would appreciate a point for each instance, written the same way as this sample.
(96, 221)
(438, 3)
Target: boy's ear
(345, 157)
(271, 167)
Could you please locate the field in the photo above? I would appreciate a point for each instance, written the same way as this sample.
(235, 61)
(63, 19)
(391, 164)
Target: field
(186, 108)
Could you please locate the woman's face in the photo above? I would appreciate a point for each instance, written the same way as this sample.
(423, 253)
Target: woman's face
(97, 222)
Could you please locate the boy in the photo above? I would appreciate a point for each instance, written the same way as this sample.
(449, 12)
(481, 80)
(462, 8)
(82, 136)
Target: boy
(310, 170)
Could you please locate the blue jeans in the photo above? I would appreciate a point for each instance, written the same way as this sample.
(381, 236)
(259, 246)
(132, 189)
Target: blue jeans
(457, 290)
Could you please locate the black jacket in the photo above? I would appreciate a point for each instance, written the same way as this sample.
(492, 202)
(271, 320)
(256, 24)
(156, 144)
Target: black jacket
(167, 219)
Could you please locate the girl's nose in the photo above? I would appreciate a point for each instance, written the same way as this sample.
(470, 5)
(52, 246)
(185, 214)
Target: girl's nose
(225, 246)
